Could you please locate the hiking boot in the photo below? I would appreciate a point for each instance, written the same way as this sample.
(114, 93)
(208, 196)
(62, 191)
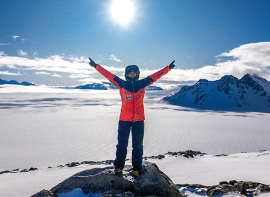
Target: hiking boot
(138, 173)
(118, 171)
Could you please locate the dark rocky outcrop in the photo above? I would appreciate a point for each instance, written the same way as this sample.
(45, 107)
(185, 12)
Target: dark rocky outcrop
(245, 188)
(187, 154)
(44, 193)
(101, 180)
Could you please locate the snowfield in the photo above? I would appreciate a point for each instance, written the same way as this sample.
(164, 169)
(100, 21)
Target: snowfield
(206, 170)
(50, 126)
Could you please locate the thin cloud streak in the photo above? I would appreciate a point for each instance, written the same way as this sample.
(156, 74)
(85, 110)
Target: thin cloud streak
(79, 76)
(113, 57)
(42, 73)
(56, 75)
(15, 37)
(8, 73)
(22, 53)
(3, 44)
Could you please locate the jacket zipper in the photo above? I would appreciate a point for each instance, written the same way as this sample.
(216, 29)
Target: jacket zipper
(133, 103)
(125, 96)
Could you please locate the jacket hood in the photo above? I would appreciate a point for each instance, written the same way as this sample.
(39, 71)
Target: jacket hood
(133, 68)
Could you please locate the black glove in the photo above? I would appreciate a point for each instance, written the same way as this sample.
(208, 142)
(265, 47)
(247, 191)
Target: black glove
(92, 63)
(171, 66)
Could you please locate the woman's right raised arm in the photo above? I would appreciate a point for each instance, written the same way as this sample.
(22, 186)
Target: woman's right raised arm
(111, 77)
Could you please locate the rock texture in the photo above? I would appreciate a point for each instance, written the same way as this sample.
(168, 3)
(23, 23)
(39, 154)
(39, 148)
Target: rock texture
(101, 180)
(44, 193)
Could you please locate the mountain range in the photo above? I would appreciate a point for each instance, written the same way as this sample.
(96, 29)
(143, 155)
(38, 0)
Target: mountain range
(95, 86)
(251, 92)
(13, 82)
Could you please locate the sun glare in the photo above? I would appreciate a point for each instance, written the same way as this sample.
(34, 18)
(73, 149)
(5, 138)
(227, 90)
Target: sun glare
(122, 11)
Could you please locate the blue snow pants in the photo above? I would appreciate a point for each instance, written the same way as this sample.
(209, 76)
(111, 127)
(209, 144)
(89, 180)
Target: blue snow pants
(137, 129)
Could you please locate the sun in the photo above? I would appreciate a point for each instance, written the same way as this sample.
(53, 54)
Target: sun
(122, 11)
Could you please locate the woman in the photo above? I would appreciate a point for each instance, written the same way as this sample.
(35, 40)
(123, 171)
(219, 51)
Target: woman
(132, 112)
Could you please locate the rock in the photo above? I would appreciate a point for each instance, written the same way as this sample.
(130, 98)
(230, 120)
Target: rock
(209, 190)
(242, 187)
(192, 185)
(200, 191)
(226, 188)
(252, 185)
(44, 193)
(173, 153)
(220, 189)
(72, 164)
(187, 153)
(248, 188)
(215, 192)
(33, 169)
(5, 171)
(117, 193)
(232, 182)
(160, 156)
(263, 188)
(108, 162)
(89, 162)
(24, 170)
(100, 180)
(223, 182)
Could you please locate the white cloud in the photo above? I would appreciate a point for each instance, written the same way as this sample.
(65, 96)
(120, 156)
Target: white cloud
(12, 66)
(253, 54)
(15, 37)
(23, 40)
(2, 53)
(251, 58)
(42, 73)
(78, 59)
(54, 63)
(56, 75)
(113, 57)
(78, 75)
(8, 73)
(35, 53)
(92, 80)
(22, 53)
(3, 44)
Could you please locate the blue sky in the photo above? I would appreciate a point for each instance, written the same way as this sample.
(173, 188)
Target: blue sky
(38, 34)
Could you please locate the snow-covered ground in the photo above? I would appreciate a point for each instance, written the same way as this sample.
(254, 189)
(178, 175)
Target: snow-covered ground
(49, 127)
(206, 170)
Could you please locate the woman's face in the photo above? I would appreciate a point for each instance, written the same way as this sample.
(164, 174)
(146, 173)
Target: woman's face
(132, 75)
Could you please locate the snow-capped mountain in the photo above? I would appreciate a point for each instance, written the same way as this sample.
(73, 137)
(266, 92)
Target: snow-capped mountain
(13, 82)
(97, 86)
(92, 86)
(106, 86)
(247, 93)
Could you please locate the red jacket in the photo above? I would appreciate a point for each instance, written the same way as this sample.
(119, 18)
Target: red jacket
(132, 92)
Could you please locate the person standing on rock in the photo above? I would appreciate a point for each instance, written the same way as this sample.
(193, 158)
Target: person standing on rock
(132, 112)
